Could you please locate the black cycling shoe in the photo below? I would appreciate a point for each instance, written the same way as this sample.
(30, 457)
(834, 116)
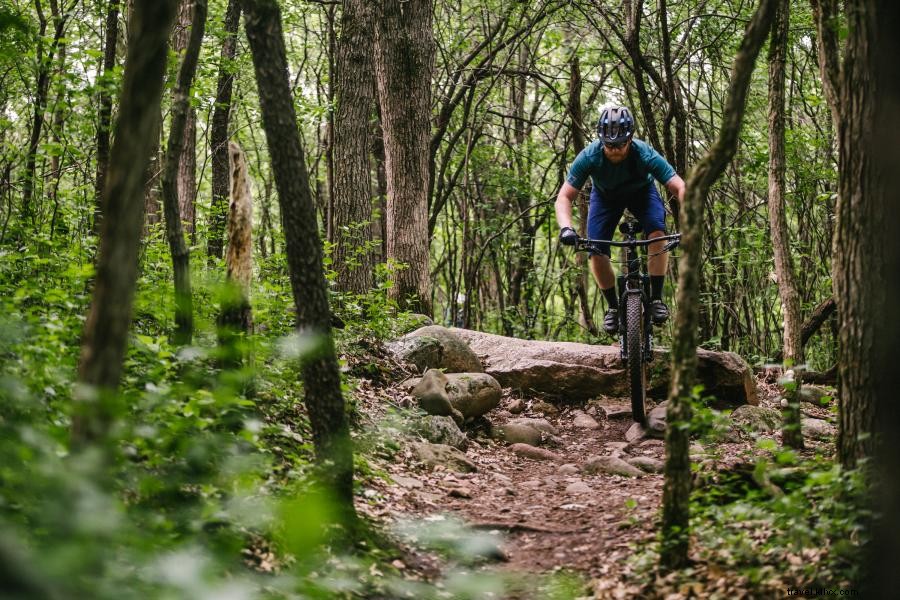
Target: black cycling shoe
(659, 312)
(611, 321)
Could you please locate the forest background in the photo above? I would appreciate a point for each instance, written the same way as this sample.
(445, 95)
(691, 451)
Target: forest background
(433, 184)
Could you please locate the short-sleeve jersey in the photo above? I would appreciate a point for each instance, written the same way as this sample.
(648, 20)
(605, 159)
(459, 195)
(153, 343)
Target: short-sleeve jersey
(631, 175)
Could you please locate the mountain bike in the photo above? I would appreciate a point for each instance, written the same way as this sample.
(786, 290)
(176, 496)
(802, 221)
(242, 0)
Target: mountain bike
(635, 325)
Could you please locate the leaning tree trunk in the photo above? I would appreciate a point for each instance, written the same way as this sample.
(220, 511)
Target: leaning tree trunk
(106, 330)
(784, 269)
(105, 109)
(322, 382)
(184, 318)
(404, 62)
(218, 137)
(355, 104)
(677, 489)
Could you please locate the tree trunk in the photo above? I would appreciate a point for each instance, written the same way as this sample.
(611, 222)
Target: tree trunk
(404, 62)
(105, 110)
(236, 313)
(42, 91)
(106, 330)
(677, 488)
(184, 319)
(784, 268)
(859, 268)
(218, 138)
(187, 163)
(322, 381)
(355, 103)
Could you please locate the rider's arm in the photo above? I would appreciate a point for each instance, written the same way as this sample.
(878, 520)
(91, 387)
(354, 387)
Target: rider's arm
(675, 185)
(568, 193)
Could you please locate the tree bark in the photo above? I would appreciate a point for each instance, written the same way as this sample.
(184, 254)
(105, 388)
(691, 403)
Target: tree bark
(784, 268)
(219, 133)
(677, 488)
(322, 382)
(404, 62)
(184, 318)
(106, 330)
(187, 162)
(236, 313)
(355, 103)
(105, 110)
(864, 224)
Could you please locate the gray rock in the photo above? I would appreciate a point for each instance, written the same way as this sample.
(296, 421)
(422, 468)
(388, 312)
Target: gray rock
(816, 394)
(515, 433)
(757, 418)
(516, 406)
(611, 465)
(816, 429)
(407, 482)
(584, 421)
(473, 394)
(635, 433)
(529, 451)
(578, 487)
(442, 430)
(539, 424)
(544, 408)
(441, 454)
(656, 420)
(583, 371)
(568, 469)
(436, 347)
(645, 463)
(432, 396)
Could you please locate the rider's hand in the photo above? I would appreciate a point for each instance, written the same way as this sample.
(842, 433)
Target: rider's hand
(568, 236)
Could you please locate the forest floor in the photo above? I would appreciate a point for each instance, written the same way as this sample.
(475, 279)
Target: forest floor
(547, 516)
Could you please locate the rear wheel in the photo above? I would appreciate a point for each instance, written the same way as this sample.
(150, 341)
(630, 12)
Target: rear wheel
(635, 365)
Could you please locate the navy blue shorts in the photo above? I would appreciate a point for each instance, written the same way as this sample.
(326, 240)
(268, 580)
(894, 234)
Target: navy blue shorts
(605, 213)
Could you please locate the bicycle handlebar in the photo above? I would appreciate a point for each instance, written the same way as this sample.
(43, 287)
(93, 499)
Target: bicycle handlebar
(584, 244)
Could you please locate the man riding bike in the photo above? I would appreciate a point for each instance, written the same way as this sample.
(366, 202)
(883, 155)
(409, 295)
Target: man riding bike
(622, 170)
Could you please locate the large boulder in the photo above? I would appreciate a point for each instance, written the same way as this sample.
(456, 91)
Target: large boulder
(582, 371)
(469, 394)
(436, 347)
(757, 418)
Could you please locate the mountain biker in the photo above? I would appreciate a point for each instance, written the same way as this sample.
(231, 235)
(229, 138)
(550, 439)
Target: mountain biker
(622, 170)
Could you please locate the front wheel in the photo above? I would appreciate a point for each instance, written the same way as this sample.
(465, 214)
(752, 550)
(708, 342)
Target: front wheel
(635, 365)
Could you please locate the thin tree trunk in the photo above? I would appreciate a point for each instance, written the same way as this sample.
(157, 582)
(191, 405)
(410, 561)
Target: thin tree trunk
(404, 63)
(184, 319)
(677, 488)
(219, 133)
(106, 331)
(355, 103)
(187, 162)
(784, 268)
(105, 110)
(322, 381)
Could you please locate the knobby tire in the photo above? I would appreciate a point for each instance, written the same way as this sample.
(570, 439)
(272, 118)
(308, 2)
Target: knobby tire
(637, 372)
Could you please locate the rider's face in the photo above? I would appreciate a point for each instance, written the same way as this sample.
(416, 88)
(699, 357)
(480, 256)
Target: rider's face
(616, 155)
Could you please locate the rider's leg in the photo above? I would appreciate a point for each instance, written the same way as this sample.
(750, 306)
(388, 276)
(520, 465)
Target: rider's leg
(603, 217)
(651, 212)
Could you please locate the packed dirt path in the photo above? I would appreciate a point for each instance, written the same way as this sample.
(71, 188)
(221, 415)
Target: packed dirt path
(548, 515)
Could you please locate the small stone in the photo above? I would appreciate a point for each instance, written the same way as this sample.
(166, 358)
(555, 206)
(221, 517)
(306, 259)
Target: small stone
(656, 420)
(515, 433)
(816, 429)
(757, 418)
(407, 482)
(516, 406)
(578, 487)
(545, 408)
(568, 469)
(611, 465)
(539, 424)
(635, 433)
(645, 463)
(583, 420)
(460, 492)
(534, 453)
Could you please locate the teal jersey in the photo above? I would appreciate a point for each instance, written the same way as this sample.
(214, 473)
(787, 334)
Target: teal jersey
(635, 173)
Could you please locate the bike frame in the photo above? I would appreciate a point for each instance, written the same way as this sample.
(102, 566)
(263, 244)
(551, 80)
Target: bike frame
(635, 280)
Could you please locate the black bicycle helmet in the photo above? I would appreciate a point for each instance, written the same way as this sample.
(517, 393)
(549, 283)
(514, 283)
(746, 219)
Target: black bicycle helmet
(616, 125)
